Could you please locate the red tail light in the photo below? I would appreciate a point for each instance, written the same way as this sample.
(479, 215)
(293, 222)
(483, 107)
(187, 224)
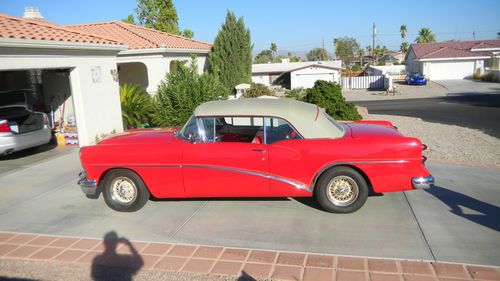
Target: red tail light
(4, 127)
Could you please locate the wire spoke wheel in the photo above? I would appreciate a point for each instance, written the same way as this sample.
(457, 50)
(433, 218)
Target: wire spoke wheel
(123, 191)
(342, 190)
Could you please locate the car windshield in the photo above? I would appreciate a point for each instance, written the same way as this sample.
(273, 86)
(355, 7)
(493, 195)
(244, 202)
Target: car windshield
(417, 74)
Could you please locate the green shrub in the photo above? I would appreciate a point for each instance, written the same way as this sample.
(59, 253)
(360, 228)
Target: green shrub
(328, 95)
(476, 75)
(136, 106)
(257, 90)
(182, 91)
(489, 77)
(297, 93)
(356, 67)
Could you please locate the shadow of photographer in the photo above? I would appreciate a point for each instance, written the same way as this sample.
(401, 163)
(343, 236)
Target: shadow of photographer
(111, 265)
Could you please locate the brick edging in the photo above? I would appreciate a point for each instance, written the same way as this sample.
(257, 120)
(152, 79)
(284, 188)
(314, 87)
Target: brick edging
(283, 265)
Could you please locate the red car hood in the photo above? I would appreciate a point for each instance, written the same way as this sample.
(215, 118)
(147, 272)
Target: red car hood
(372, 130)
(135, 136)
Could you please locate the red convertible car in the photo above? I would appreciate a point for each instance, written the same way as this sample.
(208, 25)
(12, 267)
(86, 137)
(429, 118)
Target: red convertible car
(256, 148)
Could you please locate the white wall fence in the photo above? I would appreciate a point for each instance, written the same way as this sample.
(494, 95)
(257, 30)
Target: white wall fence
(395, 71)
(363, 82)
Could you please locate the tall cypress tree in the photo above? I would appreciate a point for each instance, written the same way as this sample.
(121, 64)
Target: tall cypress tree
(231, 55)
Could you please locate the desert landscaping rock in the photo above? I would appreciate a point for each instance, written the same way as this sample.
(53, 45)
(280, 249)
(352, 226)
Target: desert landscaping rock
(449, 142)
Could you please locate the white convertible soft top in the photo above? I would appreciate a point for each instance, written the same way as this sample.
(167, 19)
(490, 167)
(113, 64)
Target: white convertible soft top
(310, 120)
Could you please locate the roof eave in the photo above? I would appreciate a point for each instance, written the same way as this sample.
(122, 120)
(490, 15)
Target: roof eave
(454, 58)
(46, 44)
(162, 50)
(485, 49)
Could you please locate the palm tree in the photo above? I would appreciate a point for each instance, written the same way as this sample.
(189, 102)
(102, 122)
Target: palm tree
(361, 54)
(136, 105)
(425, 35)
(404, 48)
(273, 48)
(403, 30)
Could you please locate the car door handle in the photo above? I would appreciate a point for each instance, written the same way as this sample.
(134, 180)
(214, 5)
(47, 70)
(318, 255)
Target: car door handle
(259, 150)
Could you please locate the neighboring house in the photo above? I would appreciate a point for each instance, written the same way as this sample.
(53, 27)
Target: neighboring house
(293, 75)
(451, 60)
(74, 72)
(391, 58)
(150, 53)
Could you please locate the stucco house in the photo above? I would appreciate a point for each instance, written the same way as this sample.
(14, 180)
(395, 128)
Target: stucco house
(74, 72)
(293, 75)
(453, 59)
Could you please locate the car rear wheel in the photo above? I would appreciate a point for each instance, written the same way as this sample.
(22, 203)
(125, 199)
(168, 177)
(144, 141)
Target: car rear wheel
(124, 191)
(341, 190)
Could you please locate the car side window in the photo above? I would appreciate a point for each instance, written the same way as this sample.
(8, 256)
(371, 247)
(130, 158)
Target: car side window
(248, 129)
(190, 130)
(278, 129)
(207, 129)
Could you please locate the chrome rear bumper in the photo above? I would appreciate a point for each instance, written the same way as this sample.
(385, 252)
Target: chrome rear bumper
(422, 182)
(89, 187)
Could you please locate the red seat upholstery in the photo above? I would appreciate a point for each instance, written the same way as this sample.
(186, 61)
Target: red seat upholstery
(257, 139)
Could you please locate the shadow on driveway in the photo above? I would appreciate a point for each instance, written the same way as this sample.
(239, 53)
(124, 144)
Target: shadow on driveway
(484, 213)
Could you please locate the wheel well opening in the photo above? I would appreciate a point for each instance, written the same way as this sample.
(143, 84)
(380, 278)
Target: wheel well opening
(105, 173)
(365, 177)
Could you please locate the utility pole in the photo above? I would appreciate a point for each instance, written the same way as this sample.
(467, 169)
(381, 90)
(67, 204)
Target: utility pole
(323, 40)
(374, 33)
(474, 35)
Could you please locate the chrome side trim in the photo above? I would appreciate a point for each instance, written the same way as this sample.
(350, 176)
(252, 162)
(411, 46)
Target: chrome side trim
(293, 183)
(263, 175)
(422, 182)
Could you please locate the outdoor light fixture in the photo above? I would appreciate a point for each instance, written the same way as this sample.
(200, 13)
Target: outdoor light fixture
(114, 73)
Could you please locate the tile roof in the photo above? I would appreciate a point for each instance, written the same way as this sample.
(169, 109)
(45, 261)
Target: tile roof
(20, 28)
(138, 37)
(454, 49)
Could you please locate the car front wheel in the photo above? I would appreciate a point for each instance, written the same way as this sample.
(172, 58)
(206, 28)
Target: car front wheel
(124, 191)
(341, 190)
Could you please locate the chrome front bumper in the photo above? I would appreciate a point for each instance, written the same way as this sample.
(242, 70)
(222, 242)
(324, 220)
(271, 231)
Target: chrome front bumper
(422, 182)
(89, 187)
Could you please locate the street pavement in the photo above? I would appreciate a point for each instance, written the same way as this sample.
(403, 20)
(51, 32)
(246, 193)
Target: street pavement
(463, 103)
(456, 222)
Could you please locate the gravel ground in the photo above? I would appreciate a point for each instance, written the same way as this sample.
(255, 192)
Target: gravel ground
(449, 142)
(33, 270)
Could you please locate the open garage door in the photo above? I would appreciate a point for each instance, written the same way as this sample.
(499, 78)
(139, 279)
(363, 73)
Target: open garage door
(38, 92)
(450, 70)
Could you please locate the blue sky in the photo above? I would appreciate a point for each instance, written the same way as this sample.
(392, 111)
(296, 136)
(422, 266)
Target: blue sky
(297, 25)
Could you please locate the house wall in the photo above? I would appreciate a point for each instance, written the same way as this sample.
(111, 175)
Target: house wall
(261, 78)
(94, 89)
(412, 65)
(157, 65)
(305, 78)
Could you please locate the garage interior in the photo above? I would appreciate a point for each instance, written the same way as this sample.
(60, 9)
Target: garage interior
(48, 91)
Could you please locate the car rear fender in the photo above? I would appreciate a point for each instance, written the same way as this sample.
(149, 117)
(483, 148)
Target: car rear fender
(337, 165)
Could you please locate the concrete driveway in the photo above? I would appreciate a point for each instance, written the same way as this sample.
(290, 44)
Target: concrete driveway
(456, 221)
(467, 87)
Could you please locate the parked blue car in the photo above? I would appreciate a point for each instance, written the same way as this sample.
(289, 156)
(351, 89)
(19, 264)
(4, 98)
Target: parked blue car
(416, 78)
